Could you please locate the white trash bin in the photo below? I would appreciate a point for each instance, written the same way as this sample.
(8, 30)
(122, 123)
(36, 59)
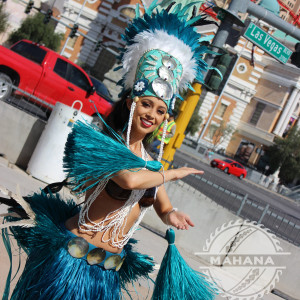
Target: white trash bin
(46, 162)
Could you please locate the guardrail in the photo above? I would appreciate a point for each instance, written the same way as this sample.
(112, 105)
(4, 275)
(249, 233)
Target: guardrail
(29, 103)
(280, 223)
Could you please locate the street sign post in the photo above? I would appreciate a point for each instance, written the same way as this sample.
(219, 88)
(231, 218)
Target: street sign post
(267, 43)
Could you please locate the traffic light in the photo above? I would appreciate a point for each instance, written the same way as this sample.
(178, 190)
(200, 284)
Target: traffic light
(98, 45)
(48, 16)
(29, 6)
(73, 31)
(223, 65)
(295, 57)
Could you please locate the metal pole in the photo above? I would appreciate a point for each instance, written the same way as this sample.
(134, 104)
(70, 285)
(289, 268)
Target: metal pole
(270, 18)
(217, 102)
(67, 39)
(242, 205)
(264, 213)
(225, 28)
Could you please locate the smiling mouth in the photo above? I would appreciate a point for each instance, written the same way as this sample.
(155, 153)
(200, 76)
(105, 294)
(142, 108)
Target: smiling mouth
(146, 123)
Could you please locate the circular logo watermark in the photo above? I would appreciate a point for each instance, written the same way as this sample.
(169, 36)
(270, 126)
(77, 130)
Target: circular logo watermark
(246, 260)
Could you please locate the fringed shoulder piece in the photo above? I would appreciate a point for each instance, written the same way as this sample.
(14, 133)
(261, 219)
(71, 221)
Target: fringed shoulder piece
(91, 155)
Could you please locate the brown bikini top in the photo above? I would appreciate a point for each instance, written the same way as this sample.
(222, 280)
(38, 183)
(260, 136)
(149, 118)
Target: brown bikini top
(118, 193)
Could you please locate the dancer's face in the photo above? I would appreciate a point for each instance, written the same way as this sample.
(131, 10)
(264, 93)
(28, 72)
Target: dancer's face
(148, 115)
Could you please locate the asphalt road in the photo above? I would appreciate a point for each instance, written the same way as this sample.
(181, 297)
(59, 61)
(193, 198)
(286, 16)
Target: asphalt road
(283, 217)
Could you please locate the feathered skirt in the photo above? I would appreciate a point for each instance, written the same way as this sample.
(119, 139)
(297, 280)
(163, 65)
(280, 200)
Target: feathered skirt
(52, 273)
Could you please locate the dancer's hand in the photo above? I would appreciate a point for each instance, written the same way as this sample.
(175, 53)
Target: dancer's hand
(180, 220)
(184, 171)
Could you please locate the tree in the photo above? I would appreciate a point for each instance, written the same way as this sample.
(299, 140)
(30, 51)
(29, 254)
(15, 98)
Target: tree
(34, 29)
(3, 19)
(220, 132)
(284, 154)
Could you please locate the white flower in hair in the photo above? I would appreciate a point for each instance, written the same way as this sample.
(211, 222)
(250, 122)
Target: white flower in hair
(139, 86)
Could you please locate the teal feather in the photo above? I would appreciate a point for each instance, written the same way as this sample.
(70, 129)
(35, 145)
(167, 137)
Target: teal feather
(152, 6)
(191, 21)
(182, 13)
(7, 245)
(91, 155)
(137, 10)
(176, 280)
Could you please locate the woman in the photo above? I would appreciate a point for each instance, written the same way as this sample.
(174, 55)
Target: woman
(150, 112)
(86, 252)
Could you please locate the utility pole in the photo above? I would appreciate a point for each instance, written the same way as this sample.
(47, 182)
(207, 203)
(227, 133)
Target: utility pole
(228, 18)
(75, 23)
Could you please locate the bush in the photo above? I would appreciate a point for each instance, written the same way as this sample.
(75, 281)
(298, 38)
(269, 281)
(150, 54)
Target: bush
(34, 29)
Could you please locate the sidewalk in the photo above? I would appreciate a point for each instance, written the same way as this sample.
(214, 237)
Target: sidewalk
(149, 242)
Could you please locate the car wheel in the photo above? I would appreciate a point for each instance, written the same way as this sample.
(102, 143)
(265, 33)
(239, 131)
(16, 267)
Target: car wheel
(5, 86)
(241, 176)
(226, 170)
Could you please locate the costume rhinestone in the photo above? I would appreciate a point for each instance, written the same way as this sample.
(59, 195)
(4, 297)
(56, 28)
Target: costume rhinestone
(162, 89)
(96, 256)
(112, 262)
(165, 74)
(169, 62)
(78, 247)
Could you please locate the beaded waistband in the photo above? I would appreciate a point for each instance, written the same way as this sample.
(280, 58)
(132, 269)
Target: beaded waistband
(78, 247)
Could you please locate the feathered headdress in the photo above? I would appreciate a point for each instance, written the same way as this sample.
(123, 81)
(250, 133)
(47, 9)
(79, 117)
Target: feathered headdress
(163, 53)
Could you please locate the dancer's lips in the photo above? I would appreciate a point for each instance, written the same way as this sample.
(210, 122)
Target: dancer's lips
(146, 123)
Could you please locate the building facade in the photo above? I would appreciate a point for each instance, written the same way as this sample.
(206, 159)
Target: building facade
(260, 101)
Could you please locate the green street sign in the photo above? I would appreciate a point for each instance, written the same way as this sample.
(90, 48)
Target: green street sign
(267, 43)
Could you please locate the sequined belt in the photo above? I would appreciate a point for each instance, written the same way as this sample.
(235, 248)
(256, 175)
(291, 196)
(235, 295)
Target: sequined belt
(78, 247)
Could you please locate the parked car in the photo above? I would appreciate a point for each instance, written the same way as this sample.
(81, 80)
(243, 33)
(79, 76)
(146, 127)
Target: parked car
(102, 90)
(230, 166)
(48, 76)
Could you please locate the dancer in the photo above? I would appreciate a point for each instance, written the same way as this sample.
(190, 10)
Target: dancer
(86, 251)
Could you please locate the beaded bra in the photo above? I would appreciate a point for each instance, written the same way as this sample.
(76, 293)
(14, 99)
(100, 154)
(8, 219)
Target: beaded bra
(114, 223)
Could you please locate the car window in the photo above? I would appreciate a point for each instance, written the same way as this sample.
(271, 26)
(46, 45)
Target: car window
(30, 51)
(78, 78)
(100, 87)
(228, 160)
(60, 68)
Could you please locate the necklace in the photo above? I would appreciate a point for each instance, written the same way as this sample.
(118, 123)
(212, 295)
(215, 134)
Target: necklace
(114, 223)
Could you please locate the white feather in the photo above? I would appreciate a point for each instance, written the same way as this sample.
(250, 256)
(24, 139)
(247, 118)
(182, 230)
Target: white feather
(159, 39)
(25, 223)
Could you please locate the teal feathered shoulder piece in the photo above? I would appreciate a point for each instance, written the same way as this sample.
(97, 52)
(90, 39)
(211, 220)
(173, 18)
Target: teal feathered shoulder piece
(92, 155)
(177, 280)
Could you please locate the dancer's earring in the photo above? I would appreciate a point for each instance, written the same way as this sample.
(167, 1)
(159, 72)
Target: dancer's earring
(132, 108)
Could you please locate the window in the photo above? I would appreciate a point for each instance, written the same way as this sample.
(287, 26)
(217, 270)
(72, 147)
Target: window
(212, 130)
(257, 113)
(30, 51)
(241, 68)
(71, 42)
(60, 68)
(221, 110)
(78, 78)
(104, 63)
